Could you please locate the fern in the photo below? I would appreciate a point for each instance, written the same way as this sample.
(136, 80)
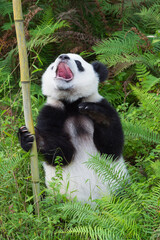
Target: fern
(146, 79)
(89, 232)
(43, 34)
(123, 51)
(156, 43)
(133, 214)
(107, 170)
(150, 102)
(141, 71)
(150, 17)
(128, 48)
(5, 7)
(124, 11)
(96, 223)
(117, 49)
(150, 82)
(9, 165)
(140, 131)
(7, 62)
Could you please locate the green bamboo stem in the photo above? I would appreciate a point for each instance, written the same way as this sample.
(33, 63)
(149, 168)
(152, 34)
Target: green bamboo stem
(25, 81)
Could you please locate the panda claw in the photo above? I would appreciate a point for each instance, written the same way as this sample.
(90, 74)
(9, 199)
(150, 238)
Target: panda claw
(83, 107)
(80, 107)
(23, 129)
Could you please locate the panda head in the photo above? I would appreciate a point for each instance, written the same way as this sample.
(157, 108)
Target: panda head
(70, 77)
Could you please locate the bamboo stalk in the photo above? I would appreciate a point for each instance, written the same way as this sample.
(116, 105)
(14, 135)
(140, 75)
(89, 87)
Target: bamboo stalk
(25, 81)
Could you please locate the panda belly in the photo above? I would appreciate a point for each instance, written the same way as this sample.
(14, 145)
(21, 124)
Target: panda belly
(78, 180)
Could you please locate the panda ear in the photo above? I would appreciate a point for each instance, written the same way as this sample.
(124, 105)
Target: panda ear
(101, 69)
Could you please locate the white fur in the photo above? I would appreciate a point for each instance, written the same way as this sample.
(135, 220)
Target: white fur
(54, 103)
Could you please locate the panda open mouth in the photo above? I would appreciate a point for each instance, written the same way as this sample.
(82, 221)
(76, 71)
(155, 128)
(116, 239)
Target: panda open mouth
(64, 72)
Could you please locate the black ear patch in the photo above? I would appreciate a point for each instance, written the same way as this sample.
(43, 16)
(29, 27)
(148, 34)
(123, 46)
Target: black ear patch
(101, 69)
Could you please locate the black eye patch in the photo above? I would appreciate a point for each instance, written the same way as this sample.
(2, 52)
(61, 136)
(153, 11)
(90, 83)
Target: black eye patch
(79, 65)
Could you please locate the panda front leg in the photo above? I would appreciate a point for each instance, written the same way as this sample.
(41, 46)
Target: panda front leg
(52, 140)
(108, 134)
(26, 139)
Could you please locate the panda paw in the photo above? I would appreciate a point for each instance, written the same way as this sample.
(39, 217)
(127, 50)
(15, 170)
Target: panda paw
(26, 138)
(90, 109)
(87, 107)
(94, 111)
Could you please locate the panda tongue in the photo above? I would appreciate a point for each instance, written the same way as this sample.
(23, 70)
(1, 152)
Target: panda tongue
(63, 71)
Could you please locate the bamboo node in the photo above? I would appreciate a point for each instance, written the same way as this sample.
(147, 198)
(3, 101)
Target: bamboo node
(18, 20)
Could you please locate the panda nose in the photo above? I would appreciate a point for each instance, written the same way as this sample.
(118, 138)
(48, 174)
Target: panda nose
(64, 57)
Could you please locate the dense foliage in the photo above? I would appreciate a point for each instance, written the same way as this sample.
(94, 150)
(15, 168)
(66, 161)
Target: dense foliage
(124, 35)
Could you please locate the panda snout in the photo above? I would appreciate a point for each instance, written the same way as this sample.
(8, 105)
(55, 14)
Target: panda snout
(64, 57)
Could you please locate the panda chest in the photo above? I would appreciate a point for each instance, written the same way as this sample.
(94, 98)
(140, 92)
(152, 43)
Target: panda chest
(81, 130)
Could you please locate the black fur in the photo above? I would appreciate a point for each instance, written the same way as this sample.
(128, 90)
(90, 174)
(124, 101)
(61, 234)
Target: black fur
(79, 65)
(101, 70)
(108, 134)
(52, 140)
(26, 138)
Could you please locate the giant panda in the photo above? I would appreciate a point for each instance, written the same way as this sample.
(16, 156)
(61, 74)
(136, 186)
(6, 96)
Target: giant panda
(75, 123)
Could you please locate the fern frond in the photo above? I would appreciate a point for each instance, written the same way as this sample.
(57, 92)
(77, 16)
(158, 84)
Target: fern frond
(156, 234)
(125, 15)
(139, 131)
(98, 224)
(110, 8)
(147, 80)
(141, 71)
(150, 82)
(156, 44)
(89, 232)
(117, 49)
(124, 48)
(109, 171)
(5, 7)
(150, 17)
(127, 48)
(43, 34)
(150, 60)
(7, 62)
(7, 166)
(150, 102)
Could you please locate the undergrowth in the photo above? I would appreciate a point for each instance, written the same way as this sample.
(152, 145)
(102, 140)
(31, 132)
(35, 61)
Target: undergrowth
(125, 36)
(132, 212)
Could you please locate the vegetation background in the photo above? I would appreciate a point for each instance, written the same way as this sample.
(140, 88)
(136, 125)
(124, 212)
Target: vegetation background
(124, 35)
